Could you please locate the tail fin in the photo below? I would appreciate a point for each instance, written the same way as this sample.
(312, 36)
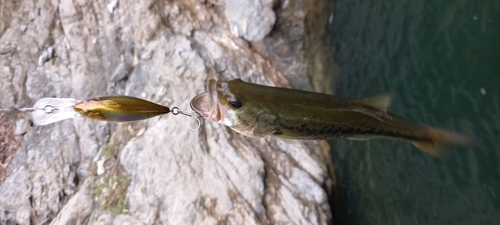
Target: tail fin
(440, 141)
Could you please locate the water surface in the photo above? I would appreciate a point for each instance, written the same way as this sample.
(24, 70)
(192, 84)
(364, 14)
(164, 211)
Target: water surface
(441, 60)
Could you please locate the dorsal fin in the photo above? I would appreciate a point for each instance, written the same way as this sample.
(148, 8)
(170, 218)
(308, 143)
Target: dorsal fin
(381, 102)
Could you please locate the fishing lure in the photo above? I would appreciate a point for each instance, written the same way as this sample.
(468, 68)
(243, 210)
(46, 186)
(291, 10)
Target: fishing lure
(119, 109)
(105, 108)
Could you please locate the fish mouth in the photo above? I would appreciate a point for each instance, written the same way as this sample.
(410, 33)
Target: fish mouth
(207, 104)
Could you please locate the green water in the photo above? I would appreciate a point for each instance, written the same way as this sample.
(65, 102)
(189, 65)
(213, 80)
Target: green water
(441, 60)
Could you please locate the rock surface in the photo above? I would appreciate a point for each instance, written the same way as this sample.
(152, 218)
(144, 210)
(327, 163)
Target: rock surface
(156, 171)
(252, 20)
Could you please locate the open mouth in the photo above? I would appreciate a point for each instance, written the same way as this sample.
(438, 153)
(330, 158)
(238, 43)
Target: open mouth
(206, 104)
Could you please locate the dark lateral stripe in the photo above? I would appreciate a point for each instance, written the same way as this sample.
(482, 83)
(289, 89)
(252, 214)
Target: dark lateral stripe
(352, 131)
(336, 131)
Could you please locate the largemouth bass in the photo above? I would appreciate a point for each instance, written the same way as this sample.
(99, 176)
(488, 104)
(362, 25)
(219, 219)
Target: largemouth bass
(258, 111)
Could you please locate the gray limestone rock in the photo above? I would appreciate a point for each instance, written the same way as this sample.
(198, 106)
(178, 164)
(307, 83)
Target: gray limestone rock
(157, 171)
(252, 20)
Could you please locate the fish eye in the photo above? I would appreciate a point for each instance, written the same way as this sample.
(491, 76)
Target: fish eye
(235, 104)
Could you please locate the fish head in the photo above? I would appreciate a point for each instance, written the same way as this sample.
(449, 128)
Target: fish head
(226, 103)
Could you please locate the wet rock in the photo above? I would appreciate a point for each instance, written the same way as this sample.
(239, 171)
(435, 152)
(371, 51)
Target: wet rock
(156, 171)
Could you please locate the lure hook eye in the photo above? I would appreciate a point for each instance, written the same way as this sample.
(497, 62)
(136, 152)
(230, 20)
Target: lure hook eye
(50, 109)
(177, 111)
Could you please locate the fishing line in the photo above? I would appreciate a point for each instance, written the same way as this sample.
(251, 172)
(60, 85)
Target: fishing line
(48, 109)
(19, 109)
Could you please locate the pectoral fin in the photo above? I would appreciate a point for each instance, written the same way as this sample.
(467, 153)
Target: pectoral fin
(381, 102)
(264, 126)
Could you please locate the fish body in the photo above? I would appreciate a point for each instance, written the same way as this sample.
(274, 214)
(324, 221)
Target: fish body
(258, 111)
(119, 109)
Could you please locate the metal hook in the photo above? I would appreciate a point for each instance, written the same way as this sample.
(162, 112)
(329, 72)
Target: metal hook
(177, 111)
